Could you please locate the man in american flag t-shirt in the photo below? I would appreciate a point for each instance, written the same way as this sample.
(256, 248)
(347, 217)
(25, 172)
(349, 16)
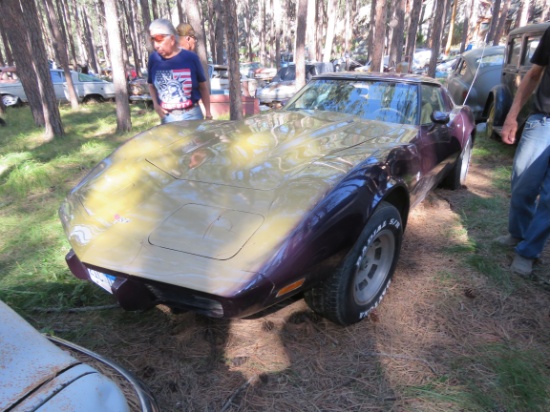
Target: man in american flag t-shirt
(176, 77)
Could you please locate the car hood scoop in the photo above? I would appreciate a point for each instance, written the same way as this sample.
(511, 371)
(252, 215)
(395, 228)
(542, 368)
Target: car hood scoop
(211, 232)
(263, 152)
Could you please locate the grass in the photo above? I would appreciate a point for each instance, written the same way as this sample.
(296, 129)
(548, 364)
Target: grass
(34, 178)
(482, 376)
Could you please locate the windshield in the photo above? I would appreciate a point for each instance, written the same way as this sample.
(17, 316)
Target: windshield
(371, 100)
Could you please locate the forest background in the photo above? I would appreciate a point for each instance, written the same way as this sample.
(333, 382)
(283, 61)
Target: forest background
(110, 35)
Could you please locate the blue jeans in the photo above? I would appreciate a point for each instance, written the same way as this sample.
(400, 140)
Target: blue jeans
(194, 113)
(529, 217)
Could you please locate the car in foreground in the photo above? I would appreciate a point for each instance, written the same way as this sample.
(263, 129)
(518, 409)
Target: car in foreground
(41, 373)
(475, 73)
(229, 218)
(283, 85)
(88, 88)
(520, 46)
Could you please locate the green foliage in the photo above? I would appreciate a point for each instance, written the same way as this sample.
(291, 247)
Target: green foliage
(495, 378)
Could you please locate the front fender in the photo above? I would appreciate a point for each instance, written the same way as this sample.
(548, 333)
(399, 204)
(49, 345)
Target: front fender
(501, 97)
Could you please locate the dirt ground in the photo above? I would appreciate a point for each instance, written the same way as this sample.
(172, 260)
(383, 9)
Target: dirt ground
(437, 313)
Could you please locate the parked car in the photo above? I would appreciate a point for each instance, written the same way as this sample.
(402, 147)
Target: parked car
(520, 46)
(41, 373)
(446, 67)
(88, 88)
(249, 68)
(229, 218)
(476, 73)
(367, 67)
(283, 85)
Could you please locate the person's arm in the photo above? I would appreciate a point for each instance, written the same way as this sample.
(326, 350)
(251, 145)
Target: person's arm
(205, 97)
(153, 92)
(525, 89)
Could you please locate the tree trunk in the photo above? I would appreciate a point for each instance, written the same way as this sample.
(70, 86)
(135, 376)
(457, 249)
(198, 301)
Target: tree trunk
(9, 56)
(332, 12)
(193, 14)
(90, 42)
(451, 28)
(278, 30)
(232, 25)
(300, 44)
(523, 14)
(396, 50)
(379, 36)
(501, 22)
(261, 16)
(132, 34)
(124, 122)
(63, 11)
(32, 63)
(494, 22)
(83, 54)
(220, 31)
(466, 28)
(438, 14)
(155, 8)
(61, 51)
(100, 10)
(412, 30)
(146, 17)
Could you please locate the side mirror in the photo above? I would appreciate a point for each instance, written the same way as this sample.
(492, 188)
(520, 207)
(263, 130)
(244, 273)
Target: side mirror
(440, 117)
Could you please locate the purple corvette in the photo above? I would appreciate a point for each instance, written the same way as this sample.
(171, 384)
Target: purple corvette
(228, 218)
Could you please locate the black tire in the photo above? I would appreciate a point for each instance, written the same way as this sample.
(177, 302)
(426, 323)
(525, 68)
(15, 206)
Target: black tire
(458, 174)
(358, 285)
(491, 121)
(93, 99)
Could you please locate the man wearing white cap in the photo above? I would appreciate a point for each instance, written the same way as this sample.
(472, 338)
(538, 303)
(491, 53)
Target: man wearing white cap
(175, 76)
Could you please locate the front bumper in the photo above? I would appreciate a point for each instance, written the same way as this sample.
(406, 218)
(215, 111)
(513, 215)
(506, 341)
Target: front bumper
(136, 293)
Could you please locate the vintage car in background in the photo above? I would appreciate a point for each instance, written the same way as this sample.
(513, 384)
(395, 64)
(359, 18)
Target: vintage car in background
(520, 46)
(88, 87)
(40, 373)
(229, 218)
(249, 68)
(475, 73)
(283, 86)
(264, 75)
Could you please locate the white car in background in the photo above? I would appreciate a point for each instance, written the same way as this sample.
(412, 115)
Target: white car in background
(88, 88)
(41, 374)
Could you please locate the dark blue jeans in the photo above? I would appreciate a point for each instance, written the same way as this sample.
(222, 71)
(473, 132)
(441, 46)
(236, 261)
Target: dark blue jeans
(529, 217)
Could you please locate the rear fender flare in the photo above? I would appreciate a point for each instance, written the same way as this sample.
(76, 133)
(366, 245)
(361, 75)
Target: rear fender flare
(502, 99)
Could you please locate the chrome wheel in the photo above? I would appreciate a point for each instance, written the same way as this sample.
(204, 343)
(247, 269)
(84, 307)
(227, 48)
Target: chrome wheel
(372, 267)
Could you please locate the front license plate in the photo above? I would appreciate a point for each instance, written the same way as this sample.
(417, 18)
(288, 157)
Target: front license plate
(102, 279)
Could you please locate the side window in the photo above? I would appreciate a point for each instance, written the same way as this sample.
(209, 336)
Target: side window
(431, 102)
(57, 77)
(463, 68)
(531, 44)
(514, 49)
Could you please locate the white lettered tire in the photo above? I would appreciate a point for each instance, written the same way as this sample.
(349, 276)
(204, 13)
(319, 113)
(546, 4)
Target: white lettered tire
(359, 284)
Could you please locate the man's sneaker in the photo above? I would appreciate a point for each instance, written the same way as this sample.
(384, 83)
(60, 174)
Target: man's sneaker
(522, 266)
(507, 240)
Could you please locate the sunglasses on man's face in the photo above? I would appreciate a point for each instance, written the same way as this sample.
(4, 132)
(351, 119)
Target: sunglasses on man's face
(159, 37)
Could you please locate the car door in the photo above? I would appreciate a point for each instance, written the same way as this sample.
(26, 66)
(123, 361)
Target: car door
(437, 145)
(58, 80)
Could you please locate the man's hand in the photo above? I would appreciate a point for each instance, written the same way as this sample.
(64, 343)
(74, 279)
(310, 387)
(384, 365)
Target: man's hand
(160, 111)
(509, 130)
